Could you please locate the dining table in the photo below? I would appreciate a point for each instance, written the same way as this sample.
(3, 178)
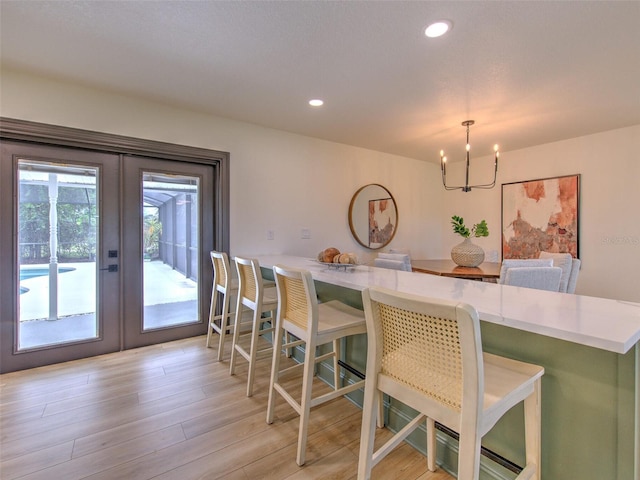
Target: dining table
(486, 271)
(589, 347)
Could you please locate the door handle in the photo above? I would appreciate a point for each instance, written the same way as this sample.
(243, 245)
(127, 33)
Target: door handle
(111, 268)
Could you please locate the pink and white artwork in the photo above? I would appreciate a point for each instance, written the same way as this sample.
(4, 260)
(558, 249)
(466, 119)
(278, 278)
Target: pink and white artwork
(382, 222)
(540, 215)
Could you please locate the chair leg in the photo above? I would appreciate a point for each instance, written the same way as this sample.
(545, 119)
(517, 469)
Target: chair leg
(469, 454)
(224, 325)
(212, 314)
(370, 408)
(431, 444)
(336, 367)
(288, 337)
(532, 429)
(275, 369)
(380, 413)
(305, 403)
(236, 337)
(253, 352)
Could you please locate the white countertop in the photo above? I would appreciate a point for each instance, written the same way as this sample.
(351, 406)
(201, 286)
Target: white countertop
(596, 322)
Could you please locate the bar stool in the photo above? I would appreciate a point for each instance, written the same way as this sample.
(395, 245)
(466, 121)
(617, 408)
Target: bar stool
(313, 324)
(253, 295)
(225, 285)
(427, 353)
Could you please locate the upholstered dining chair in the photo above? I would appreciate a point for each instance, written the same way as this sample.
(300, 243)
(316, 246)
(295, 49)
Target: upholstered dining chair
(570, 269)
(427, 353)
(531, 273)
(540, 278)
(311, 324)
(517, 262)
(395, 261)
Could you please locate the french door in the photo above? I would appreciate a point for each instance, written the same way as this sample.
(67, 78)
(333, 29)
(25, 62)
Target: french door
(100, 252)
(167, 245)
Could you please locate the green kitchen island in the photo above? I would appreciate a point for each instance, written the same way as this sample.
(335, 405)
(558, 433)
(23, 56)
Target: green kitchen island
(587, 345)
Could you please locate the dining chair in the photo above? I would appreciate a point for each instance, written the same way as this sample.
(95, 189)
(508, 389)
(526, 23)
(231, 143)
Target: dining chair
(395, 261)
(570, 269)
(573, 276)
(427, 353)
(524, 262)
(536, 273)
(541, 278)
(253, 295)
(311, 324)
(227, 287)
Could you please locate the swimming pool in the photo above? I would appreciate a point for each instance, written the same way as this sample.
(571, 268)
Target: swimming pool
(32, 272)
(27, 273)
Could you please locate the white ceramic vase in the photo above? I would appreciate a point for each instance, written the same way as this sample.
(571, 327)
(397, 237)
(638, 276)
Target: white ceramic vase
(467, 254)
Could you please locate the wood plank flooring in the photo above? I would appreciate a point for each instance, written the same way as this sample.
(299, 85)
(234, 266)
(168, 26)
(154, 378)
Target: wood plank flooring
(171, 411)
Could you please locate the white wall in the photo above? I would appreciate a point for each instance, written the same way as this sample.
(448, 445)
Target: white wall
(609, 210)
(279, 181)
(285, 182)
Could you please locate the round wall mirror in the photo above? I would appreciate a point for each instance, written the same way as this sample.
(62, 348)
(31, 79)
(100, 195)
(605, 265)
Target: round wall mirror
(373, 216)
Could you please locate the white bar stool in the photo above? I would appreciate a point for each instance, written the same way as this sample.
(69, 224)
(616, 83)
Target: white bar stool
(300, 315)
(427, 354)
(225, 285)
(253, 295)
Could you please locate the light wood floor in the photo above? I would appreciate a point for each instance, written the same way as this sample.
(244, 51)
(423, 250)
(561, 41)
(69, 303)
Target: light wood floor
(171, 411)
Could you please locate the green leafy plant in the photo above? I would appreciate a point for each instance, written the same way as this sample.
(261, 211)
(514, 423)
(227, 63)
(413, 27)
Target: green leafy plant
(478, 230)
(151, 235)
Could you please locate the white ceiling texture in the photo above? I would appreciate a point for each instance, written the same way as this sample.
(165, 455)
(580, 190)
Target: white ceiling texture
(528, 72)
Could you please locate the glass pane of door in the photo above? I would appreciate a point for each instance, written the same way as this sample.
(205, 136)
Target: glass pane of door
(57, 238)
(170, 249)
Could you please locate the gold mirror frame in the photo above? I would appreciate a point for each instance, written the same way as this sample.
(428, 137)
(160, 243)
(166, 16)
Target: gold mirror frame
(373, 216)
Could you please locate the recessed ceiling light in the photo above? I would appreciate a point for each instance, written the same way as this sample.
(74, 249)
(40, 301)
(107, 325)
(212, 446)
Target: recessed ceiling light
(316, 102)
(438, 29)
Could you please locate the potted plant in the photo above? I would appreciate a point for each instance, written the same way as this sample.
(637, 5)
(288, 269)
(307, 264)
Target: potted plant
(468, 254)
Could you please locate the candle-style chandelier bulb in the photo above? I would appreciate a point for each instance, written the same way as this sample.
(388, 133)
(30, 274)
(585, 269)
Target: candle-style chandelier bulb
(467, 187)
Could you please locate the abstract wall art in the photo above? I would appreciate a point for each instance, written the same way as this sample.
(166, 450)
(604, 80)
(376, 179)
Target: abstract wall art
(540, 215)
(382, 222)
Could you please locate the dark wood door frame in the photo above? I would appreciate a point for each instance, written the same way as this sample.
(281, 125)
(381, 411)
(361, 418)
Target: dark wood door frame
(12, 130)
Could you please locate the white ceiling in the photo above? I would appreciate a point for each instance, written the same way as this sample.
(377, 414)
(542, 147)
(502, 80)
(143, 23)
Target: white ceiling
(528, 72)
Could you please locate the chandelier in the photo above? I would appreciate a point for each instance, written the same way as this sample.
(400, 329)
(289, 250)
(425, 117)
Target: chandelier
(467, 187)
